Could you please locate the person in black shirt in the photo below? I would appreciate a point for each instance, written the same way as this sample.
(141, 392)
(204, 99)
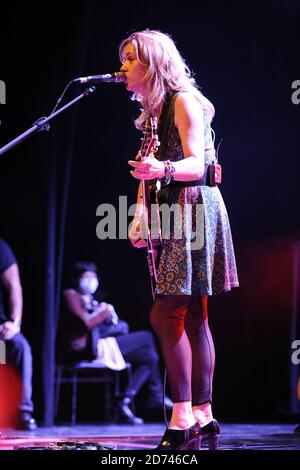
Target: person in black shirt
(18, 351)
(86, 324)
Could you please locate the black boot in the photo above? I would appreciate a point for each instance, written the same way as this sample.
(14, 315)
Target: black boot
(211, 434)
(185, 439)
(26, 422)
(123, 413)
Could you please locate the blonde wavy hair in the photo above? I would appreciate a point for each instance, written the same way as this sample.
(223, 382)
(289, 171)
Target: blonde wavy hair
(166, 71)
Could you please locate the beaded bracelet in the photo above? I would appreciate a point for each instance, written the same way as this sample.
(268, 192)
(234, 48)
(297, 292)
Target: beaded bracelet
(169, 173)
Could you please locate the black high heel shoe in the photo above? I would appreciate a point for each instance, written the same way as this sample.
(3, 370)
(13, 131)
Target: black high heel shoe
(177, 439)
(211, 434)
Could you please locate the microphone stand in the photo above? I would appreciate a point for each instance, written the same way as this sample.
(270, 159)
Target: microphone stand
(42, 124)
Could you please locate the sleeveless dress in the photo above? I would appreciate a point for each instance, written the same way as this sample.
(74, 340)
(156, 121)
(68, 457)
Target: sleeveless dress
(197, 255)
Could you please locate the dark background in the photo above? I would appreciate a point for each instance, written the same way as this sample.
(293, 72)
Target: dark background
(245, 58)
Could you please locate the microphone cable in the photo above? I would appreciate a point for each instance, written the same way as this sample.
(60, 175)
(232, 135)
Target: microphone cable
(61, 97)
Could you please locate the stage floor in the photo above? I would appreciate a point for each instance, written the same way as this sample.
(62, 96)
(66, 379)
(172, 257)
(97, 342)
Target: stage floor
(146, 437)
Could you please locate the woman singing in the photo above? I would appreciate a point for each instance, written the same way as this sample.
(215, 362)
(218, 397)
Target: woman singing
(201, 261)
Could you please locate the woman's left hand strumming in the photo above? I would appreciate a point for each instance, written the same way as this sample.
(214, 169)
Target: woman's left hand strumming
(147, 169)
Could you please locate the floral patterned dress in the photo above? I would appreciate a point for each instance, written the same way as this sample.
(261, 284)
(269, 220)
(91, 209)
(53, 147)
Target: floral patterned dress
(197, 254)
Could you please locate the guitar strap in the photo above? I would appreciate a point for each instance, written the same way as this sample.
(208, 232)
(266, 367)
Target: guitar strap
(165, 123)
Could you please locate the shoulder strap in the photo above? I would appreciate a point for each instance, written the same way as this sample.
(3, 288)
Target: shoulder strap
(165, 122)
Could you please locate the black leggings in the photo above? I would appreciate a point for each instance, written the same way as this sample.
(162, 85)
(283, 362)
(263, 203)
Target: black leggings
(181, 324)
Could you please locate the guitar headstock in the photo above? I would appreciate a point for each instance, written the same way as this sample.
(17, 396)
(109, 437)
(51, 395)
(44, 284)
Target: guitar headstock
(150, 142)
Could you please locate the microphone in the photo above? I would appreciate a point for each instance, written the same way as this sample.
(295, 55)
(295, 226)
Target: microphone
(116, 77)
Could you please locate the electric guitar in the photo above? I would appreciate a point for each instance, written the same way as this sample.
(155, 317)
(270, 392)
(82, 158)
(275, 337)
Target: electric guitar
(151, 228)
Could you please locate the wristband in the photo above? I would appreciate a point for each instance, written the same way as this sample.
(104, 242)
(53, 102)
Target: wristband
(169, 173)
(17, 322)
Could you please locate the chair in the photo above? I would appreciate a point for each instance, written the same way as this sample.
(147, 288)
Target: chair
(88, 372)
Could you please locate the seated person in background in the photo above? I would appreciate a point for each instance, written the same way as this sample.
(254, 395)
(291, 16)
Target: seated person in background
(18, 351)
(91, 330)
